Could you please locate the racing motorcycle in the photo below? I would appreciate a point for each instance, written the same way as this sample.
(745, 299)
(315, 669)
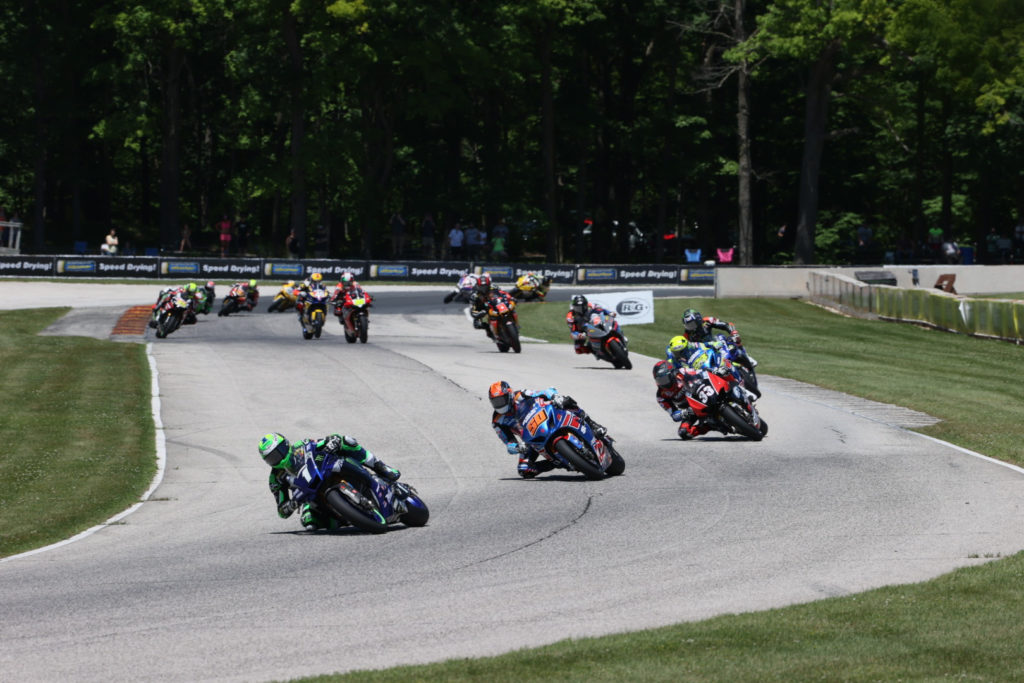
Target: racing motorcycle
(236, 300)
(314, 312)
(347, 491)
(740, 361)
(360, 302)
(463, 291)
(566, 439)
(531, 287)
(284, 299)
(721, 402)
(606, 340)
(503, 322)
(172, 314)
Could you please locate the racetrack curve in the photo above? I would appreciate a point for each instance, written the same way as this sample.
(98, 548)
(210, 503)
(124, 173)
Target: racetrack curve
(205, 582)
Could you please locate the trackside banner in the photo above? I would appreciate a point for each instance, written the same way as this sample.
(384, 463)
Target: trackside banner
(510, 272)
(633, 308)
(664, 274)
(109, 266)
(26, 265)
(423, 271)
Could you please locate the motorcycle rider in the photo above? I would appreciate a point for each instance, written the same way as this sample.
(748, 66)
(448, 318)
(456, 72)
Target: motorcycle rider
(510, 407)
(478, 302)
(252, 293)
(580, 311)
(168, 293)
(698, 328)
(284, 460)
(533, 283)
(466, 282)
(673, 388)
(682, 353)
(347, 285)
(210, 292)
(314, 281)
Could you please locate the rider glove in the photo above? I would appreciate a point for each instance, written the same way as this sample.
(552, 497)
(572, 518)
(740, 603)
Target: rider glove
(286, 508)
(513, 448)
(333, 444)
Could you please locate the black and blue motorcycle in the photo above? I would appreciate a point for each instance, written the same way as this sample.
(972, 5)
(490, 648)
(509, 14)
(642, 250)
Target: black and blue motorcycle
(347, 491)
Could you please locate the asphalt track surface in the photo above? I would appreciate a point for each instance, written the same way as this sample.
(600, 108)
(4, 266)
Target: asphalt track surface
(203, 582)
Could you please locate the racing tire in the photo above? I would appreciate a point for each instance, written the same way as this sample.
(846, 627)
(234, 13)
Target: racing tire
(229, 307)
(620, 355)
(736, 421)
(350, 337)
(618, 465)
(764, 428)
(449, 297)
(512, 334)
(417, 514)
(580, 461)
(274, 305)
(307, 335)
(364, 328)
(354, 515)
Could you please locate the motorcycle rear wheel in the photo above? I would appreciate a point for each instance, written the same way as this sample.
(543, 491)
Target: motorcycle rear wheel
(353, 515)
(737, 422)
(581, 461)
(229, 306)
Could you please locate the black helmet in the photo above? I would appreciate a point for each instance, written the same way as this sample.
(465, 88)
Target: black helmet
(664, 374)
(579, 304)
(692, 319)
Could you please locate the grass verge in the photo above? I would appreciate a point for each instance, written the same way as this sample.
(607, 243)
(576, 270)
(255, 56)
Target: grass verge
(963, 625)
(77, 429)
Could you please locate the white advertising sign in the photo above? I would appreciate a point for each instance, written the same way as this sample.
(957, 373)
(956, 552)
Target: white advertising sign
(635, 307)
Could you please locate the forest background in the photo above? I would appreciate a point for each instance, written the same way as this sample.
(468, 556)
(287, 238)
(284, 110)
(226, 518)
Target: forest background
(599, 130)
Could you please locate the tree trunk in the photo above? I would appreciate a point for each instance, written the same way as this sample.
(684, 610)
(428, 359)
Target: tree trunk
(819, 88)
(548, 125)
(746, 224)
(298, 116)
(170, 171)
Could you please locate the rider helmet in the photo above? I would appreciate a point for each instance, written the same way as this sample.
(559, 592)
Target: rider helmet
(347, 281)
(211, 284)
(252, 284)
(664, 374)
(692, 319)
(483, 283)
(579, 304)
(275, 450)
(678, 346)
(316, 277)
(500, 395)
(191, 288)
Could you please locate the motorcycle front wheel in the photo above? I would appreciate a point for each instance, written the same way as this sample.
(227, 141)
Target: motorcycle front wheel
(585, 463)
(417, 515)
(620, 355)
(739, 423)
(512, 336)
(355, 516)
(364, 325)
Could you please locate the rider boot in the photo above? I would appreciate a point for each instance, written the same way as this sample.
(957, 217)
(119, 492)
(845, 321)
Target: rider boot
(385, 472)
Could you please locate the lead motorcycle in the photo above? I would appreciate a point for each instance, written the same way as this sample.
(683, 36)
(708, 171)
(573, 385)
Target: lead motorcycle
(172, 314)
(503, 321)
(360, 302)
(314, 312)
(566, 439)
(724, 405)
(606, 340)
(348, 492)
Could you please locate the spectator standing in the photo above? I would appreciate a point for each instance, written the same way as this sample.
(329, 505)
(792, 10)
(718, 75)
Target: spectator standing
(951, 251)
(935, 240)
(471, 241)
(291, 244)
(397, 234)
(992, 246)
(186, 238)
(498, 252)
(456, 236)
(110, 243)
(224, 228)
(427, 230)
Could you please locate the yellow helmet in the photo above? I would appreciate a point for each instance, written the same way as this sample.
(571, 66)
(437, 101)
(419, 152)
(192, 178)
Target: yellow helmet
(678, 344)
(316, 277)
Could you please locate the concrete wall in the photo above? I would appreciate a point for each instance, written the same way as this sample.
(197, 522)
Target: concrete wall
(791, 281)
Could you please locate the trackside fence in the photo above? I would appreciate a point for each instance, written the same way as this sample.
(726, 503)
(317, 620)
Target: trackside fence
(997, 318)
